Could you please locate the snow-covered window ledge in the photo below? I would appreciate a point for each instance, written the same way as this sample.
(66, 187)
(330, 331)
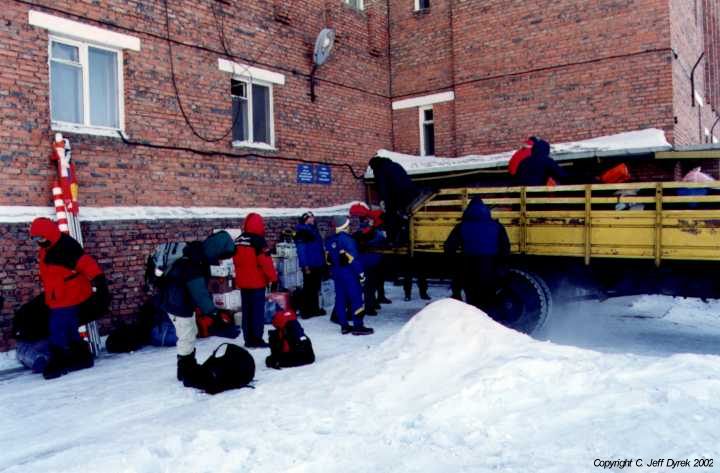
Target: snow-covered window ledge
(86, 130)
(251, 145)
(85, 71)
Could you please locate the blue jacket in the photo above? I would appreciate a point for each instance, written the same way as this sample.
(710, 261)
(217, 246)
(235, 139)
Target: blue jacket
(343, 255)
(309, 245)
(478, 234)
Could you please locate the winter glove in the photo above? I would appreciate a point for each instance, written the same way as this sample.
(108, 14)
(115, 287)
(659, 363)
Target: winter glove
(362, 279)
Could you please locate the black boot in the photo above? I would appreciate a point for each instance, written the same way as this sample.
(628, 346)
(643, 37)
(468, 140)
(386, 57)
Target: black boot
(80, 356)
(57, 364)
(362, 330)
(187, 369)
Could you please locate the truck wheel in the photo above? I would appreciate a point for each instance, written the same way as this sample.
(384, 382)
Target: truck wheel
(523, 303)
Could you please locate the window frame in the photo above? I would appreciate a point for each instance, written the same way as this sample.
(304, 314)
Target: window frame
(250, 143)
(360, 7)
(417, 6)
(84, 58)
(424, 122)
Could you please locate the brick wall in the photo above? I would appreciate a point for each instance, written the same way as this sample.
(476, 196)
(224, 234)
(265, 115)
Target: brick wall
(690, 20)
(544, 67)
(347, 123)
(121, 248)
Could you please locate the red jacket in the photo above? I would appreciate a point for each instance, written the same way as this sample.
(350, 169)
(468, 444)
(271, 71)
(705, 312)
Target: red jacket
(65, 269)
(254, 267)
(520, 155)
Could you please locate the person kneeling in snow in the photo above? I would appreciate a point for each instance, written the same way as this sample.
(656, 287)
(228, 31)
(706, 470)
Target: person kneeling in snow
(184, 289)
(348, 277)
(70, 279)
(289, 346)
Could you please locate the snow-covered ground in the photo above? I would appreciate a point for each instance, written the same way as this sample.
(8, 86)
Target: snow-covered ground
(442, 389)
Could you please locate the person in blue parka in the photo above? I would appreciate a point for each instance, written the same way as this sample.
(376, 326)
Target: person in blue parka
(311, 257)
(348, 277)
(484, 245)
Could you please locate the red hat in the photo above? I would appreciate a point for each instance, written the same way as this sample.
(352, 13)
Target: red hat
(359, 209)
(45, 228)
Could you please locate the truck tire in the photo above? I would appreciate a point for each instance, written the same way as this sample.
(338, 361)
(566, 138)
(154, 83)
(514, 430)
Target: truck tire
(523, 303)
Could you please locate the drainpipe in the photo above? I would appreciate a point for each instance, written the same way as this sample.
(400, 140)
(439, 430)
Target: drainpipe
(692, 79)
(390, 81)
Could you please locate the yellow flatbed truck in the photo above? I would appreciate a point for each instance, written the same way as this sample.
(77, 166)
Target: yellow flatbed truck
(618, 239)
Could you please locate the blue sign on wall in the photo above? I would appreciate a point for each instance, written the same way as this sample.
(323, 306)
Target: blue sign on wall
(323, 174)
(304, 174)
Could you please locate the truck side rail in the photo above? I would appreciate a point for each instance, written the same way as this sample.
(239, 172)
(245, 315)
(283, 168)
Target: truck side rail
(644, 220)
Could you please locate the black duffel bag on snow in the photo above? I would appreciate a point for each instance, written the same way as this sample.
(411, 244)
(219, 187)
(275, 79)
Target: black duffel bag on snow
(231, 368)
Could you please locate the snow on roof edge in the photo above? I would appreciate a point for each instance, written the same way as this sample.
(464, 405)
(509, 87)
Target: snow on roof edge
(621, 144)
(23, 214)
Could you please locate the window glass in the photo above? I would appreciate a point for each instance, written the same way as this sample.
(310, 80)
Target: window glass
(65, 52)
(429, 131)
(261, 113)
(238, 91)
(103, 88)
(66, 92)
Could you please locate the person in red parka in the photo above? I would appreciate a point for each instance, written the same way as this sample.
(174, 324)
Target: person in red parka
(70, 278)
(254, 270)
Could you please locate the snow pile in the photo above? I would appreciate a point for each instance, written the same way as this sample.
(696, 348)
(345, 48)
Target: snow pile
(451, 391)
(687, 312)
(651, 139)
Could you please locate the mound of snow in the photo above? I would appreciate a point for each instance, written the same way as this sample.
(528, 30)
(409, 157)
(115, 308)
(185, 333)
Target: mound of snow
(451, 391)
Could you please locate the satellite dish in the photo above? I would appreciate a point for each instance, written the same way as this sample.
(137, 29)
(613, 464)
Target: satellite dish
(323, 46)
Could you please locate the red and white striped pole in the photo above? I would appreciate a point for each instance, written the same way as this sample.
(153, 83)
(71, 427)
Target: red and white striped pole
(60, 211)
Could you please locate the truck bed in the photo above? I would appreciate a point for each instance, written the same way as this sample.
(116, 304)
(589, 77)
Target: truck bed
(664, 222)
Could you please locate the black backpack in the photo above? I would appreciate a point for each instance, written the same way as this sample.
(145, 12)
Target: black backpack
(233, 369)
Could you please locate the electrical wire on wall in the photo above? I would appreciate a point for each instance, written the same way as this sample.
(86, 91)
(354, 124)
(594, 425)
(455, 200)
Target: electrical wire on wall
(202, 152)
(177, 89)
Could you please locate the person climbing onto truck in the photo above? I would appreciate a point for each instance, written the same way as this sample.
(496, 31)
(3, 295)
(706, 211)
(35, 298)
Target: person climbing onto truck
(311, 257)
(539, 169)
(254, 270)
(348, 277)
(484, 245)
(397, 192)
(70, 279)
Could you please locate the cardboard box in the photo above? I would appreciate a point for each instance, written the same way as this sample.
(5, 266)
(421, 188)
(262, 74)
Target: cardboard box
(229, 300)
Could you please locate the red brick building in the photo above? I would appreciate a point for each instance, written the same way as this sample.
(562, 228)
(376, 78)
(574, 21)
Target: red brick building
(213, 99)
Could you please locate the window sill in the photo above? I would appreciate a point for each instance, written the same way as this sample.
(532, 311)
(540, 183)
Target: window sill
(86, 130)
(421, 11)
(248, 144)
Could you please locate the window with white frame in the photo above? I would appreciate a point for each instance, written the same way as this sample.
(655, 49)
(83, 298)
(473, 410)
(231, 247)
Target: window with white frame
(252, 113)
(422, 5)
(85, 84)
(357, 4)
(427, 131)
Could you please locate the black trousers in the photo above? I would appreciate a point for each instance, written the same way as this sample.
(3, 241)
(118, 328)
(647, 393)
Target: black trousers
(312, 281)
